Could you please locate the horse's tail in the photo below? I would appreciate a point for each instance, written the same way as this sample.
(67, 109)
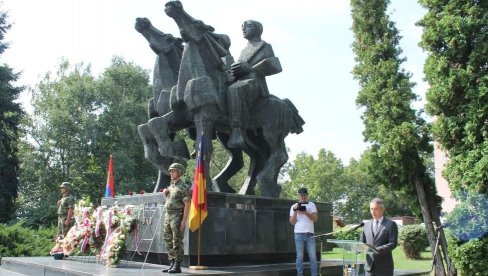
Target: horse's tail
(297, 121)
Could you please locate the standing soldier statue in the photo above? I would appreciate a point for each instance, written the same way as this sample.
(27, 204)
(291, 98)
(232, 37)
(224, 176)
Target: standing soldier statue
(177, 208)
(66, 207)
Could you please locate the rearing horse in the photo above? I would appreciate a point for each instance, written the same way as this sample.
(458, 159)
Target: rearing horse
(166, 68)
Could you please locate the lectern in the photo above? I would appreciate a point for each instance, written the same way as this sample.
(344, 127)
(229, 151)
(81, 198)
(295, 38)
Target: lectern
(353, 255)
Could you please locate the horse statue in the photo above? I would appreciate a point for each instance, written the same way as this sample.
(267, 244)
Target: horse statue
(199, 100)
(166, 68)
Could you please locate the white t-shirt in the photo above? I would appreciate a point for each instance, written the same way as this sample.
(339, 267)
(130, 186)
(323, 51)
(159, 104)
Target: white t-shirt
(304, 224)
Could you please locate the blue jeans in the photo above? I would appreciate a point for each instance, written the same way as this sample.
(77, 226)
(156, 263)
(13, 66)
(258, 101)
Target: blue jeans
(302, 241)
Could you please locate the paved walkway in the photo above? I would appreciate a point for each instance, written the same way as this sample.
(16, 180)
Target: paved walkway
(87, 267)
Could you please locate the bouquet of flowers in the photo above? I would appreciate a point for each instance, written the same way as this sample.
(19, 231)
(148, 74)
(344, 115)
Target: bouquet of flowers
(120, 224)
(101, 230)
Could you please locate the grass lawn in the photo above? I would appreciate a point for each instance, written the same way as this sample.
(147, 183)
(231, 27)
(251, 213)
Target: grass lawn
(401, 262)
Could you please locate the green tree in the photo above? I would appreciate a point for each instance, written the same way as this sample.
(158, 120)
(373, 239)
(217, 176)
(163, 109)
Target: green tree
(360, 188)
(10, 115)
(78, 122)
(456, 39)
(124, 93)
(399, 138)
(455, 36)
(323, 177)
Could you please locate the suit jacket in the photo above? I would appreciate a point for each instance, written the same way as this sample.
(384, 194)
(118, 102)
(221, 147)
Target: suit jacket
(385, 241)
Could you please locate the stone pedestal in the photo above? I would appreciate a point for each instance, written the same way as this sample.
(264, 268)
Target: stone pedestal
(239, 229)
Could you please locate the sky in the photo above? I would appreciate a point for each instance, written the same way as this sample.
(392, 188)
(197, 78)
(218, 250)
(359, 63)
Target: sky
(312, 39)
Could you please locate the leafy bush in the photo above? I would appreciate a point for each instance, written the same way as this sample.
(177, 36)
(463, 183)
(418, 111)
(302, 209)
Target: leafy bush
(468, 234)
(17, 240)
(469, 258)
(413, 239)
(346, 234)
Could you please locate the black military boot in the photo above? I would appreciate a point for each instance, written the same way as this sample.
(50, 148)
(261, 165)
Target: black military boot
(176, 268)
(171, 264)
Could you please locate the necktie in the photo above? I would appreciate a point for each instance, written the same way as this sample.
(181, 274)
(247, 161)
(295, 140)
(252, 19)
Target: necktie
(375, 229)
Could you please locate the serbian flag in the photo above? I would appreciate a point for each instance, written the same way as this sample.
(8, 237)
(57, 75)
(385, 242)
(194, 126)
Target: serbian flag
(109, 189)
(198, 207)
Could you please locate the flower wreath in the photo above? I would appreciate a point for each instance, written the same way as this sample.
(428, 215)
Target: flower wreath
(100, 231)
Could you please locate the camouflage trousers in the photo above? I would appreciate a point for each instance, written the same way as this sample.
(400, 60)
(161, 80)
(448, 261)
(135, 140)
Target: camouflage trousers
(173, 237)
(62, 229)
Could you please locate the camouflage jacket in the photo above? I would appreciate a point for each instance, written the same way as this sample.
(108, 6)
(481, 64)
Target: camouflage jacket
(178, 194)
(66, 203)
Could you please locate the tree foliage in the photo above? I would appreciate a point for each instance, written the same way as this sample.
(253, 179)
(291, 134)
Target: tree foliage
(399, 137)
(10, 115)
(78, 121)
(323, 177)
(360, 187)
(456, 38)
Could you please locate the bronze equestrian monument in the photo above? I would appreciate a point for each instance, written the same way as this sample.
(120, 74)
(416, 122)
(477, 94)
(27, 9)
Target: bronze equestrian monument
(199, 88)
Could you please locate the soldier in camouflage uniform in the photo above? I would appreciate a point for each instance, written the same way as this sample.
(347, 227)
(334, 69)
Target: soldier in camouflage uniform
(66, 206)
(176, 215)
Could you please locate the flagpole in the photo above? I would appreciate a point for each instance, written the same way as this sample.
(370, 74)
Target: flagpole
(199, 235)
(200, 205)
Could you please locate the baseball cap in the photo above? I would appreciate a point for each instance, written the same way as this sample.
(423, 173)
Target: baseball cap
(302, 191)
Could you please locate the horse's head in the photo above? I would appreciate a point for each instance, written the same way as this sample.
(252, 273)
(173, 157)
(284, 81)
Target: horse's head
(190, 28)
(159, 41)
(173, 8)
(142, 24)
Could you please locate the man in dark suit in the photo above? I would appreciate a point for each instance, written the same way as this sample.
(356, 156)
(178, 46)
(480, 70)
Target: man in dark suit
(382, 233)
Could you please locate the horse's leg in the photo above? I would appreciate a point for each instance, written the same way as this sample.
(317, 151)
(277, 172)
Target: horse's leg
(233, 166)
(258, 153)
(151, 109)
(151, 153)
(256, 162)
(267, 178)
(162, 105)
(160, 128)
(162, 182)
(204, 120)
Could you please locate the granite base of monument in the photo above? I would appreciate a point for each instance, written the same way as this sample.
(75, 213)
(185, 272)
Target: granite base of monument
(239, 230)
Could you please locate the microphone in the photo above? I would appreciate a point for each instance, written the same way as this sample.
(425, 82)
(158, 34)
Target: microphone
(357, 226)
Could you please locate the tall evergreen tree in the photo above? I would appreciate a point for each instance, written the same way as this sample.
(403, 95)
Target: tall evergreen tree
(456, 39)
(10, 116)
(398, 136)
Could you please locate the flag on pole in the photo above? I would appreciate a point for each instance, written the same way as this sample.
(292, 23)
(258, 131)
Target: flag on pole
(198, 207)
(109, 189)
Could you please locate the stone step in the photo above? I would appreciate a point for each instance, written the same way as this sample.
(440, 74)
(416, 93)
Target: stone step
(81, 266)
(48, 266)
(5, 272)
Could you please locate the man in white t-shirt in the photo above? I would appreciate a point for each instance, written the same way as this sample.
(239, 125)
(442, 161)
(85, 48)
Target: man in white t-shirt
(303, 215)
